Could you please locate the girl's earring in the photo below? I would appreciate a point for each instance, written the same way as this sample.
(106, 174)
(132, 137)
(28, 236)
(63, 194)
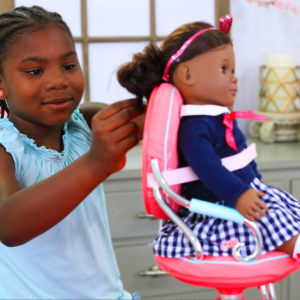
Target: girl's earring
(1, 94)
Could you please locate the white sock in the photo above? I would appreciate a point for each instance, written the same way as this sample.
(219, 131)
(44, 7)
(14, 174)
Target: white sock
(297, 247)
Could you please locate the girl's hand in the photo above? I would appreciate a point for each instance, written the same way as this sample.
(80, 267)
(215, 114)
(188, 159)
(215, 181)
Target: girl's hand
(113, 135)
(250, 205)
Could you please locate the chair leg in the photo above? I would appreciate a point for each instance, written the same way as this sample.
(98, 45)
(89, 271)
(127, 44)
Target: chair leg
(230, 293)
(272, 293)
(264, 293)
(232, 297)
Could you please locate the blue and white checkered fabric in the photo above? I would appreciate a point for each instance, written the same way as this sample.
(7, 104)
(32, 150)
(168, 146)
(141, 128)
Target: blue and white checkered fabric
(281, 224)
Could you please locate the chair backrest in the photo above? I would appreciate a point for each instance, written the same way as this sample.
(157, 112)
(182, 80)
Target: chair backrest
(160, 141)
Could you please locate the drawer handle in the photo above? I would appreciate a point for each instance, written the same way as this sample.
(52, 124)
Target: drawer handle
(145, 216)
(153, 271)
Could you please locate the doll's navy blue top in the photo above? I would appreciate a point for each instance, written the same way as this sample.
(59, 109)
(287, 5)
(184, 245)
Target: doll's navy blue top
(202, 145)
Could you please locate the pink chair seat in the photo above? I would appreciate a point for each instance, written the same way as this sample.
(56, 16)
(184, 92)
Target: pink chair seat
(226, 273)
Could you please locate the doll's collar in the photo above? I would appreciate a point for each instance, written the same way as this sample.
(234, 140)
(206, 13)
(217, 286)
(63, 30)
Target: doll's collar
(207, 110)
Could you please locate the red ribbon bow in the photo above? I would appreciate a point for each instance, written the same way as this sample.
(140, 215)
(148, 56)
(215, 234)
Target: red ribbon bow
(228, 122)
(225, 23)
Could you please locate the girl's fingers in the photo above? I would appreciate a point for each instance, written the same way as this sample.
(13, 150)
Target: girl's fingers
(112, 109)
(127, 143)
(116, 107)
(124, 131)
(120, 118)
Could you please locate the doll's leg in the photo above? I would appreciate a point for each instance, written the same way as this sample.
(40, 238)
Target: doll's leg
(291, 246)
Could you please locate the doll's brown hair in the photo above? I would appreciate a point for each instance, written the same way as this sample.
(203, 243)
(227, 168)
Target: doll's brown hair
(145, 71)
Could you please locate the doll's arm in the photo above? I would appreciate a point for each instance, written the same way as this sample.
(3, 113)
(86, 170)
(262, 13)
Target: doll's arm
(89, 109)
(195, 144)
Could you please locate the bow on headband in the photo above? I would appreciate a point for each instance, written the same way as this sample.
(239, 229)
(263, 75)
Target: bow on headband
(225, 25)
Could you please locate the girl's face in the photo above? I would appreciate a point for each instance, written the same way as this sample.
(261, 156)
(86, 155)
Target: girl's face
(209, 78)
(42, 79)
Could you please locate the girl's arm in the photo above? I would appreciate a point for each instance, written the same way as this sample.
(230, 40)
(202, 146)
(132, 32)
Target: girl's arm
(29, 212)
(89, 109)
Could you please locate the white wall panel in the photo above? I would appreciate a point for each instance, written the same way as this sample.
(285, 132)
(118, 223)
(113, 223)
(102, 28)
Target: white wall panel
(118, 18)
(104, 61)
(255, 32)
(171, 14)
(68, 9)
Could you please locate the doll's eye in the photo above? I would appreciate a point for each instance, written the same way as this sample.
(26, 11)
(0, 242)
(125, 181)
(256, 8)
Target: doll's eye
(223, 69)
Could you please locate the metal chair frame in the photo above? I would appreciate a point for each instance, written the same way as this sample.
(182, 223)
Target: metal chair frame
(267, 291)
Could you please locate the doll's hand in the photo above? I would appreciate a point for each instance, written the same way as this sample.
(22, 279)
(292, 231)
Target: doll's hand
(113, 135)
(250, 205)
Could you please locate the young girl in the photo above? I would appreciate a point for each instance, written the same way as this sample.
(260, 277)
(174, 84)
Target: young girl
(199, 61)
(55, 240)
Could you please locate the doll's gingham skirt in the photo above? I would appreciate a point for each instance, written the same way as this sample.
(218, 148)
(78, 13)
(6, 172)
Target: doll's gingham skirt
(281, 224)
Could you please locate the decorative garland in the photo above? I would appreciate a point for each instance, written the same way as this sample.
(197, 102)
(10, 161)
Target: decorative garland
(280, 5)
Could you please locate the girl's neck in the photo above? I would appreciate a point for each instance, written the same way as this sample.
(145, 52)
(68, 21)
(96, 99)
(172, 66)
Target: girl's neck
(48, 136)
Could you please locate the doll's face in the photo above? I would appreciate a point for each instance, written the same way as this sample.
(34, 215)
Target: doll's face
(208, 78)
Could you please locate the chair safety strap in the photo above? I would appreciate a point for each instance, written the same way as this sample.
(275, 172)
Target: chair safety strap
(186, 174)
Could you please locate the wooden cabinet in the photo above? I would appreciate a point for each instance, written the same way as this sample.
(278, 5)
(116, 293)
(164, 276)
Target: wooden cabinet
(295, 188)
(133, 231)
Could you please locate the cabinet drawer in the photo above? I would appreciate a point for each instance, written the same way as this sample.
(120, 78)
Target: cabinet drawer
(123, 210)
(252, 294)
(275, 183)
(139, 258)
(295, 188)
(200, 294)
(122, 185)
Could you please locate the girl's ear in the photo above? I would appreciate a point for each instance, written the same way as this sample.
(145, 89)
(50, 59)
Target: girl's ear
(184, 73)
(2, 89)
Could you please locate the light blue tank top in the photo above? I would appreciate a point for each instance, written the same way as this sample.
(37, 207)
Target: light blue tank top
(75, 258)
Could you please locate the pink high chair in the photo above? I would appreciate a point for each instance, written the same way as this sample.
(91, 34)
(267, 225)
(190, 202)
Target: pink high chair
(229, 275)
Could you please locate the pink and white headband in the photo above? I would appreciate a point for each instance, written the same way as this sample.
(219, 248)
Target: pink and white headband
(225, 25)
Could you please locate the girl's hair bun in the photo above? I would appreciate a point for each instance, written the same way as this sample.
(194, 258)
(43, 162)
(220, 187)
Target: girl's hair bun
(143, 73)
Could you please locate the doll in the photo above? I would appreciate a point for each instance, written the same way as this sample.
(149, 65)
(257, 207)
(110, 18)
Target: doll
(199, 60)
